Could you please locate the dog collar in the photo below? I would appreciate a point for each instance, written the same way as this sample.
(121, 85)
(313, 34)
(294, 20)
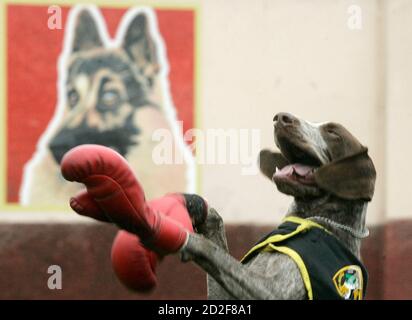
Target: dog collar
(357, 234)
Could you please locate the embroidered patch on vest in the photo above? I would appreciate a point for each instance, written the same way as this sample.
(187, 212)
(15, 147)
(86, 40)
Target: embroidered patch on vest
(349, 282)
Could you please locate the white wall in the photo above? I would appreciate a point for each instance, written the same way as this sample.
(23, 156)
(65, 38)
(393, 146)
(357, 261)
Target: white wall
(399, 109)
(261, 57)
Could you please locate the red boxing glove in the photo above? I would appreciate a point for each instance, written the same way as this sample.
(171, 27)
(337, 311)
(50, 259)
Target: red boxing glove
(83, 204)
(111, 183)
(134, 265)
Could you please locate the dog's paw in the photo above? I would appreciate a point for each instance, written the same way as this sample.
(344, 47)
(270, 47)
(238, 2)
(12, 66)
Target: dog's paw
(197, 208)
(213, 223)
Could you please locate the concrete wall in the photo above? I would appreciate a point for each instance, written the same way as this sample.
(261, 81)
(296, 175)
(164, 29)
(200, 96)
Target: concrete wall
(83, 253)
(398, 108)
(256, 59)
(294, 56)
(302, 57)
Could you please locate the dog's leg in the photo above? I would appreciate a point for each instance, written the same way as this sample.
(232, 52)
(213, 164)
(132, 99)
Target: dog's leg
(279, 280)
(214, 230)
(229, 279)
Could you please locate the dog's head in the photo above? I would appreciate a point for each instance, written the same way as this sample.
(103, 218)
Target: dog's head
(105, 86)
(317, 159)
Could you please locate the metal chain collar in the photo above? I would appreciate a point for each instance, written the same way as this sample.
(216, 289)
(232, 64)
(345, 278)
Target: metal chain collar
(357, 234)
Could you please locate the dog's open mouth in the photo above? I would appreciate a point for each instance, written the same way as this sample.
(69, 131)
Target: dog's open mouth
(297, 172)
(302, 164)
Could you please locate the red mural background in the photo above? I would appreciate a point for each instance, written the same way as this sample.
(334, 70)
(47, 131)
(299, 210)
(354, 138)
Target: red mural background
(32, 55)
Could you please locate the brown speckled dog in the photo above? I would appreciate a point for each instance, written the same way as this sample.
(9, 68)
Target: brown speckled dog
(331, 178)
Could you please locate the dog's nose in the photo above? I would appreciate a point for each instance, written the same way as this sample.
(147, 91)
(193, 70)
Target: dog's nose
(284, 118)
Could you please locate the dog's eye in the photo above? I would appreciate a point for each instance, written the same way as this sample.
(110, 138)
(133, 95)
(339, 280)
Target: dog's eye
(110, 98)
(332, 133)
(73, 97)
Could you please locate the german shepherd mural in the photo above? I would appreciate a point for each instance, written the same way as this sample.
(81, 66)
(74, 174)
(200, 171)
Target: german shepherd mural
(113, 93)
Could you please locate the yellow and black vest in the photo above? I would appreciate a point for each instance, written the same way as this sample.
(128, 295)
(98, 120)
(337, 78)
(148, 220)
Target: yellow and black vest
(329, 270)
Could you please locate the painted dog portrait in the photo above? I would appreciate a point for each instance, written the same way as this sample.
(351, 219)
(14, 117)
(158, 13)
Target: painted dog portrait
(112, 92)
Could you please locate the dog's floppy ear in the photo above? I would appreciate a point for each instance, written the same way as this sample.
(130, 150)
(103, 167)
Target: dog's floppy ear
(269, 161)
(351, 178)
(86, 35)
(140, 47)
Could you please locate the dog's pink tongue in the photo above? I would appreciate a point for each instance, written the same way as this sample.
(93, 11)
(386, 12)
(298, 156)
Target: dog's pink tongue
(302, 169)
(302, 172)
